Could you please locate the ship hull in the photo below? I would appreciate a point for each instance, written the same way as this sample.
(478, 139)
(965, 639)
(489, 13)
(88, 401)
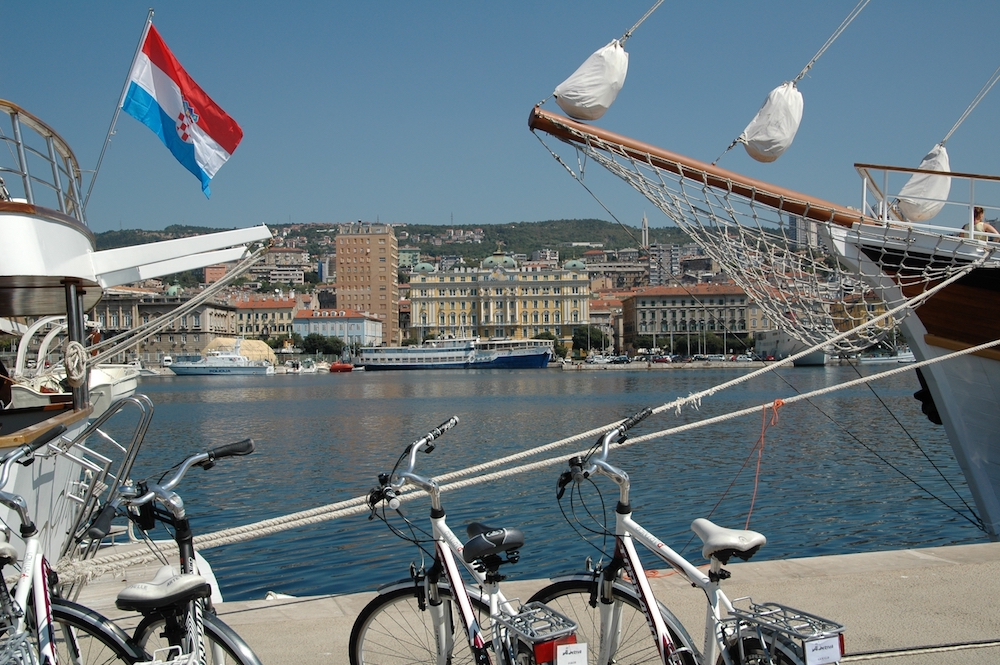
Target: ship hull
(966, 389)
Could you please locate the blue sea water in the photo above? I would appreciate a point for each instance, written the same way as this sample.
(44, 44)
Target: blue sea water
(323, 438)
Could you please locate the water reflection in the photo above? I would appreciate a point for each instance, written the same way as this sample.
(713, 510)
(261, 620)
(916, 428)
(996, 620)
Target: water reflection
(324, 438)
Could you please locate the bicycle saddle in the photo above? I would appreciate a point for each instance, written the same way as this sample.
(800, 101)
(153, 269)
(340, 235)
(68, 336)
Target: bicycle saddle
(485, 540)
(723, 543)
(167, 588)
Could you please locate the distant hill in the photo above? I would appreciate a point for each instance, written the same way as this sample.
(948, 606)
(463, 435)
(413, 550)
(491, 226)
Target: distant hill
(516, 238)
(124, 238)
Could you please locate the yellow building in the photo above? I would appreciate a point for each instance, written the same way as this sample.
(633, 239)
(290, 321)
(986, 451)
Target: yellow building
(499, 299)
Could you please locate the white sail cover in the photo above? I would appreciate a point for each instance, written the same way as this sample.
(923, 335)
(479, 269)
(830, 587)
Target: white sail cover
(913, 203)
(592, 88)
(773, 128)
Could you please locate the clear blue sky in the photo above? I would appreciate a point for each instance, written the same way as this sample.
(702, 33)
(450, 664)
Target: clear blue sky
(416, 111)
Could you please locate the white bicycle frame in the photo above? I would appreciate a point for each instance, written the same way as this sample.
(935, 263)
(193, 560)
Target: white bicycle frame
(448, 551)
(627, 531)
(447, 548)
(34, 581)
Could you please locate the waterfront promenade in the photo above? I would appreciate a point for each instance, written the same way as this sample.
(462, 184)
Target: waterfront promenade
(937, 605)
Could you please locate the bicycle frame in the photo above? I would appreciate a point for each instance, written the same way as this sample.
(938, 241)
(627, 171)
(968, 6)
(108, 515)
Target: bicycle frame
(627, 531)
(725, 625)
(33, 581)
(448, 551)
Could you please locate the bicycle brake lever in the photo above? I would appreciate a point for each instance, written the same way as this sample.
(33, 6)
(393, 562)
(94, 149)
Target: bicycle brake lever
(565, 478)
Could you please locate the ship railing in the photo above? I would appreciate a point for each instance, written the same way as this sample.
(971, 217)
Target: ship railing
(91, 490)
(966, 191)
(37, 165)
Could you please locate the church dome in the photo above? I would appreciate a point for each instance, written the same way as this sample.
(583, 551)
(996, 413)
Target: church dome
(575, 264)
(423, 267)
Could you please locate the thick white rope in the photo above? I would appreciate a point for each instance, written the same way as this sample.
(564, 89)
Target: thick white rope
(75, 360)
(82, 571)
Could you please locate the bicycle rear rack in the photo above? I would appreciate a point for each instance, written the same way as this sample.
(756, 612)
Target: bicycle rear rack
(787, 620)
(821, 639)
(17, 649)
(538, 623)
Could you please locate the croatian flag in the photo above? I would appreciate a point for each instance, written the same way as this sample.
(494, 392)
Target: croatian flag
(163, 97)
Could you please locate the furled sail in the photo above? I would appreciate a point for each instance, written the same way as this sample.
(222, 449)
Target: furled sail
(773, 129)
(924, 195)
(592, 88)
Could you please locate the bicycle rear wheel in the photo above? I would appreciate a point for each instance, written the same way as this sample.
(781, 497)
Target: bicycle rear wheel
(84, 637)
(393, 630)
(635, 642)
(222, 644)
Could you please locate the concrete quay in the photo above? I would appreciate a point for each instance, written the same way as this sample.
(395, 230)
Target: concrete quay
(937, 605)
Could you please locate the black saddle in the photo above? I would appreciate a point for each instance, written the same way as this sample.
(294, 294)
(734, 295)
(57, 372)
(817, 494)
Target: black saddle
(486, 540)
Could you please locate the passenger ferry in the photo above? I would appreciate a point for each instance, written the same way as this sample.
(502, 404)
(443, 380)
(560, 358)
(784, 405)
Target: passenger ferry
(462, 353)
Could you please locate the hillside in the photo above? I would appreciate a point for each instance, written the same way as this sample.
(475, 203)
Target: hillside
(517, 238)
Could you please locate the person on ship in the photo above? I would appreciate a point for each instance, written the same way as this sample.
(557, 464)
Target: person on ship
(981, 227)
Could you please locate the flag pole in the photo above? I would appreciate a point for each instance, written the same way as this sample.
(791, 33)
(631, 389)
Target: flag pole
(121, 100)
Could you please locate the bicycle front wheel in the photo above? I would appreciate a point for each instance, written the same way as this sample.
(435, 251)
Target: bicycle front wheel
(633, 641)
(84, 637)
(222, 645)
(393, 630)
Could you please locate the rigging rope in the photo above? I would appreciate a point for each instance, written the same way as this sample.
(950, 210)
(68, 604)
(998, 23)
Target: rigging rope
(975, 102)
(836, 33)
(130, 338)
(628, 33)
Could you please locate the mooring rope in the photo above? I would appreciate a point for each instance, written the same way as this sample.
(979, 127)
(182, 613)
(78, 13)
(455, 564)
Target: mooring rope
(82, 571)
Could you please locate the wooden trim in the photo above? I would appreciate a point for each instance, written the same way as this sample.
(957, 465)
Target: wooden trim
(954, 345)
(786, 200)
(29, 434)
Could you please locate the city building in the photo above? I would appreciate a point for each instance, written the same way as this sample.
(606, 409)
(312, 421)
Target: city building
(367, 280)
(665, 313)
(266, 317)
(499, 299)
(350, 326)
(123, 309)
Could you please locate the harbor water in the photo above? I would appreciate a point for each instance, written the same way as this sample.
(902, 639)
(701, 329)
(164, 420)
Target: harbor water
(850, 472)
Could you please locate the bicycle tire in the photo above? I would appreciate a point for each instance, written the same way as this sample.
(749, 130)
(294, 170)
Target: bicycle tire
(84, 637)
(223, 645)
(784, 652)
(393, 629)
(636, 643)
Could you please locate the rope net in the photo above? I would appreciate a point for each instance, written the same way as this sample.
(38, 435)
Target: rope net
(776, 244)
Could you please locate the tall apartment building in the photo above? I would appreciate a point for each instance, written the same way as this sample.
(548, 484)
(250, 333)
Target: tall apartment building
(367, 279)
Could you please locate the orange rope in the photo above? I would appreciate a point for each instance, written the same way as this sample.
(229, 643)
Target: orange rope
(777, 404)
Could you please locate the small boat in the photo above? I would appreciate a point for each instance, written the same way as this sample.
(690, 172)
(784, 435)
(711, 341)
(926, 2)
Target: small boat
(338, 367)
(219, 362)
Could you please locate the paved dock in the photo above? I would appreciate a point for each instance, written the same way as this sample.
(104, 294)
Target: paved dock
(908, 607)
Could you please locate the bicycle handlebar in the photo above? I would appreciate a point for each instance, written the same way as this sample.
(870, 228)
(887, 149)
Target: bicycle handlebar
(390, 484)
(129, 496)
(579, 470)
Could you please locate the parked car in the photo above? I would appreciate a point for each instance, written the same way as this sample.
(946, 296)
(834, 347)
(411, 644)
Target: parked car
(744, 358)
(715, 357)
(621, 360)
(662, 359)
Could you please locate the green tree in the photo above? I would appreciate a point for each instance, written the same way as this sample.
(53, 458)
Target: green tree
(313, 343)
(333, 346)
(558, 347)
(589, 337)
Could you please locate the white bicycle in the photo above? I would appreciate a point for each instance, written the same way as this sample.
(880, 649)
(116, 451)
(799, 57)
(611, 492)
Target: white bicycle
(34, 626)
(433, 617)
(623, 623)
